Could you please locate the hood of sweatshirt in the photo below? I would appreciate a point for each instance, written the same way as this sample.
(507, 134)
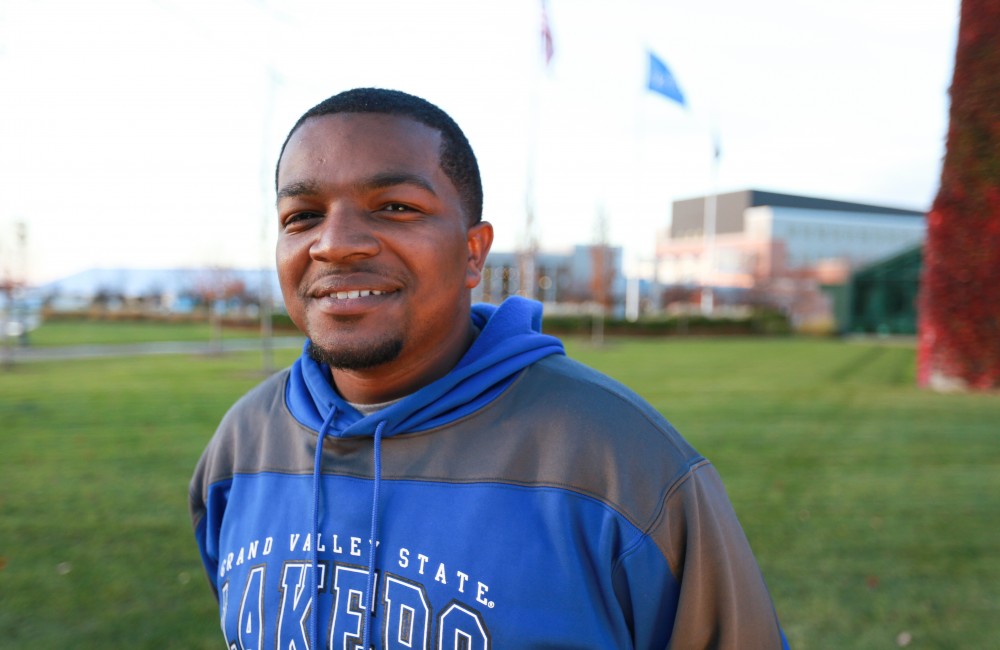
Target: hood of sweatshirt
(510, 339)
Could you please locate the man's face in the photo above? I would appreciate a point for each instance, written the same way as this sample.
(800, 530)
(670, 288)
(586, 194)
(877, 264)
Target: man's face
(375, 255)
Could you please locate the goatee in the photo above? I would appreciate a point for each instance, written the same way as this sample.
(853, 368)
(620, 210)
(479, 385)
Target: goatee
(357, 358)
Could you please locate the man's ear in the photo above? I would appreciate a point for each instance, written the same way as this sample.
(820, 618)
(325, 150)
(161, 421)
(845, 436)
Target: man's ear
(479, 239)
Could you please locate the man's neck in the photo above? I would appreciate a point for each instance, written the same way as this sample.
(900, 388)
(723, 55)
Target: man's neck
(394, 380)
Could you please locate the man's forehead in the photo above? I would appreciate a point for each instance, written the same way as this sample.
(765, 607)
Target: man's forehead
(377, 135)
(369, 126)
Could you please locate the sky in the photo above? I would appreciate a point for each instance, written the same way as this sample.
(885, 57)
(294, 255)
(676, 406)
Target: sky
(144, 133)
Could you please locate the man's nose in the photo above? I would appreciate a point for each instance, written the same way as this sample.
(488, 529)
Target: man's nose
(346, 232)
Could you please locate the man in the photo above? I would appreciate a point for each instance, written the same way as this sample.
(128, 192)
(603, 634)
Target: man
(435, 474)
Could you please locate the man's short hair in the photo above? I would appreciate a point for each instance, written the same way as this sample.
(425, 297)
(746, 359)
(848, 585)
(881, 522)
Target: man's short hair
(456, 157)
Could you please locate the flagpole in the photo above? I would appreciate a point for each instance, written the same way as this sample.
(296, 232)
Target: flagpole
(529, 245)
(633, 266)
(709, 232)
(661, 81)
(266, 297)
(707, 298)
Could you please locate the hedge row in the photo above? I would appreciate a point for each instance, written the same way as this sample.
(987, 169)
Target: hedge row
(763, 322)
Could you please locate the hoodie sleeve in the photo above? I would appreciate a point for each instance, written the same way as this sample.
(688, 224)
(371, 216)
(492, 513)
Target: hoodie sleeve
(707, 591)
(206, 503)
(242, 430)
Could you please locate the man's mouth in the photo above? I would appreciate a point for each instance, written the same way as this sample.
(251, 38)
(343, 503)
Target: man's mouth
(351, 302)
(356, 293)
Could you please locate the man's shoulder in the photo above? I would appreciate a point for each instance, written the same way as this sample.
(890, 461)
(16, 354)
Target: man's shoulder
(568, 425)
(265, 396)
(572, 370)
(249, 437)
(587, 393)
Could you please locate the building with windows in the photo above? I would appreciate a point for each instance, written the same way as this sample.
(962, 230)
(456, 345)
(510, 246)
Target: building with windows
(779, 249)
(881, 298)
(584, 275)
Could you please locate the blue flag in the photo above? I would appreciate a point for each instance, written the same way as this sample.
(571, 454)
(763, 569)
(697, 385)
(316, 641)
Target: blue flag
(662, 81)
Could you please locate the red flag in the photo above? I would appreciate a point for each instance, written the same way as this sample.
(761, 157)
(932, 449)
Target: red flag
(547, 46)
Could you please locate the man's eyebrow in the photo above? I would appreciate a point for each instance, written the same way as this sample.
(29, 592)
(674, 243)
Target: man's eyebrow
(300, 188)
(391, 179)
(375, 182)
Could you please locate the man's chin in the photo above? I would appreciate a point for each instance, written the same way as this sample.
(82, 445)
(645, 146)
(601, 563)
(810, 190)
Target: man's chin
(358, 357)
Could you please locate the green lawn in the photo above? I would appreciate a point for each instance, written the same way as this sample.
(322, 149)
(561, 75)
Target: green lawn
(81, 332)
(872, 506)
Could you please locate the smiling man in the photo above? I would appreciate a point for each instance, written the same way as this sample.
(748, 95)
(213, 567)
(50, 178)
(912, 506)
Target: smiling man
(376, 253)
(436, 474)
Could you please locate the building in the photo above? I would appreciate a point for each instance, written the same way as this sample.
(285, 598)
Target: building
(778, 249)
(881, 298)
(586, 275)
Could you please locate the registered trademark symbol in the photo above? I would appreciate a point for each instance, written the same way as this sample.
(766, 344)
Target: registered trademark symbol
(491, 604)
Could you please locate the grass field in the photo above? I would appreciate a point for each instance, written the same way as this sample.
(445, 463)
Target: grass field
(84, 332)
(872, 507)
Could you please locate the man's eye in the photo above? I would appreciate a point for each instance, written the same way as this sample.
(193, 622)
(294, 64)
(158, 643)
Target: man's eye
(397, 207)
(302, 216)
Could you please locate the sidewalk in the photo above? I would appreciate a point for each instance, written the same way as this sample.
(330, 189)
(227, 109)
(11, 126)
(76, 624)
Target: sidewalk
(68, 353)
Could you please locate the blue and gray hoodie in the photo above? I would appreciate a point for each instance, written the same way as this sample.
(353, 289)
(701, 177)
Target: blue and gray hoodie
(521, 501)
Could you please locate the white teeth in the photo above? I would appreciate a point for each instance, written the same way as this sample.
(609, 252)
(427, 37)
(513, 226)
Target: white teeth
(357, 293)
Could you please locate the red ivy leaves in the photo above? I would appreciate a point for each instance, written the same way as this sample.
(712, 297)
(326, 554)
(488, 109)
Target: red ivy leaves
(959, 332)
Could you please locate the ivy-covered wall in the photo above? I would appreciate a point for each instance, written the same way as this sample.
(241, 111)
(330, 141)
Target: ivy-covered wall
(959, 329)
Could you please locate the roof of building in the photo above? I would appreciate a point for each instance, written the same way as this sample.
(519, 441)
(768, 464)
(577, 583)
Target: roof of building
(730, 206)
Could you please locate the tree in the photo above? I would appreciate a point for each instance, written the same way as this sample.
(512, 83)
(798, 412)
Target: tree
(959, 321)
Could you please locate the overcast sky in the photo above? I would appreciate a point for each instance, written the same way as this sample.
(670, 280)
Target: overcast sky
(143, 133)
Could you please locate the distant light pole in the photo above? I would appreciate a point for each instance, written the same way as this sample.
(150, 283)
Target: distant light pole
(267, 222)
